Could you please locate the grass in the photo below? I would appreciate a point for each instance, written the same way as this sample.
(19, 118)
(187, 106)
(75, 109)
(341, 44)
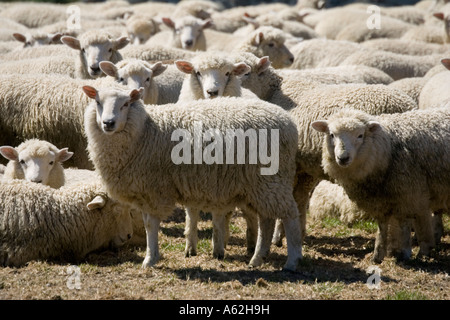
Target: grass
(334, 264)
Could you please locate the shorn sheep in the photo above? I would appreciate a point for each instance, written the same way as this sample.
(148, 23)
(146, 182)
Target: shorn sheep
(36, 161)
(41, 223)
(211, 75)
(393, 167)
(135, 74)
(134, 151)
(94, 46)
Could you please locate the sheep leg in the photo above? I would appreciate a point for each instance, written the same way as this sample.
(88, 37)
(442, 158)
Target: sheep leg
(400, 239)
(380, 242)
(252, 231)
(438, 226)
(265, 231)
(294, 238)
(191, 231)
(219, 234)
(151, 224)
(424, 230)
(278, 234)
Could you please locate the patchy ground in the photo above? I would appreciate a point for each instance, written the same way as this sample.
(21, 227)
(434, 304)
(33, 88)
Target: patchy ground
(334, 267)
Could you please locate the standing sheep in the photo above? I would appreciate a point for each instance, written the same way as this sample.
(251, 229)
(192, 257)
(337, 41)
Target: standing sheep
(94, 46)
(435, 91)
(369, 156)
(132, 149)
(36, 161)
(40, 223)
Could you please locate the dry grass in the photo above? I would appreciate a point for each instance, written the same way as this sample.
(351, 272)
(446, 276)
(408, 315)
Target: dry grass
(334, 267)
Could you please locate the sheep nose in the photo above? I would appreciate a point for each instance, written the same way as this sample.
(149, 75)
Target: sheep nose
(343, 159)
(36, 181)
(213, 93)
(129, 236)
(109, 124)
(189, 43)
(291, 59)
(95, 69)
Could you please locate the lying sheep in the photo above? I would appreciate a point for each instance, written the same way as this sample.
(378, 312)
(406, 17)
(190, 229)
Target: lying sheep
(136, 74)
(144, 137)
(210, 75)
(94, 46)
(368, 156)
(36, 161)
(186, 33)
(306, 105)
(41, 223)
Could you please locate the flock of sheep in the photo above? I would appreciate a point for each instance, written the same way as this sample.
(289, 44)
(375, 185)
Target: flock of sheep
(361, 114)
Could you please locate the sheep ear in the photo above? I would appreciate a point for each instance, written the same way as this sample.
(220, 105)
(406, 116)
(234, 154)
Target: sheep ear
(446, 63)
(109, 68)
(9, 153)
(72, 42)
(121, 43)
(373, 126)
(91, 92)
(168, 22)
(64, 155)
(320, 125)
(97, 203)
(136, 94)
(56, 38)
(251, 21)
(184, 66)
(259, 37)
(20, 37)
(321, 4)
(263, 64)
(241, 68)
(158, 68)
(207, 24)
(439, 15)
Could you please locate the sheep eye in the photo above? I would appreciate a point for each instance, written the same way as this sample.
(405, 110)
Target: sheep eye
(198, 73)
(227, 74)
(82, 50)
(51, 163)
(360, 136)
(332, 136)
(148, 79)
(271, 44)
(121, 79)
(110, 50)
(22, 162)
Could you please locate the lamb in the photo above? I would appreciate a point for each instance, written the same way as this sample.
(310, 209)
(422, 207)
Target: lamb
(36, 161)
(94, 46)
(210, 75)
(46, 108)
(145, 137)
(135, 74)
(398, 66)
(305, 105)
(41, 223)
(435, 91)
(186, 33)
(369, 155)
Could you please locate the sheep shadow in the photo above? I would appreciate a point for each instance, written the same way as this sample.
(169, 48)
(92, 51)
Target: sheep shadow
(356, 246)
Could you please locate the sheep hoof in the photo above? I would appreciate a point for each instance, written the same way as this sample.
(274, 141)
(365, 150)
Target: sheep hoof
(219, 256)
(190, 253)
(375, 259)
(255, 262)
(149, 262)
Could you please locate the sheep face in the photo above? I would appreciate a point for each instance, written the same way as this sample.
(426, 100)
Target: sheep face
(112, 107)
(266, 44)
(187, 31)
(213, 81)
(134, 74)
(93, 51)
(37, 40)
(35, 160)
(345, 138)
(140, 30)
(446, 19)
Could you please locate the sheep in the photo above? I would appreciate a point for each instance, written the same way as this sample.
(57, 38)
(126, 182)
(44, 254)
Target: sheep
(37, 39)
(411, 86)
(44, 65)
(156, 53)
(169, 84)
(141, 181)
(41, 223)
(210, 75)
(140, 28)
(406, 47)
(36, 161)
(135, 74)
(94, 46)
(186, 33)
(369, 155)
(435, 91)
(42, 14)
(332, 21)
(409, 14)
(306, 104)
(48, 108)
(198, 8)
(425, 33)
(398, 66)
(39, 52)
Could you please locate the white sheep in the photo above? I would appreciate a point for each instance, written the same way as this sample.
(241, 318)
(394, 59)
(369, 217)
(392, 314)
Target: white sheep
(94, 46)
(39, 52)
(411, 86)
(435, 91)
(36, 161)
(41, 14)
(45, 65)
(156, 53)
(186, 33)
(143, 144)
(140, 28)
(369, 155)
(406, 47)
(311, 101)
(210, 75)
(41, 223)
(136, 74)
